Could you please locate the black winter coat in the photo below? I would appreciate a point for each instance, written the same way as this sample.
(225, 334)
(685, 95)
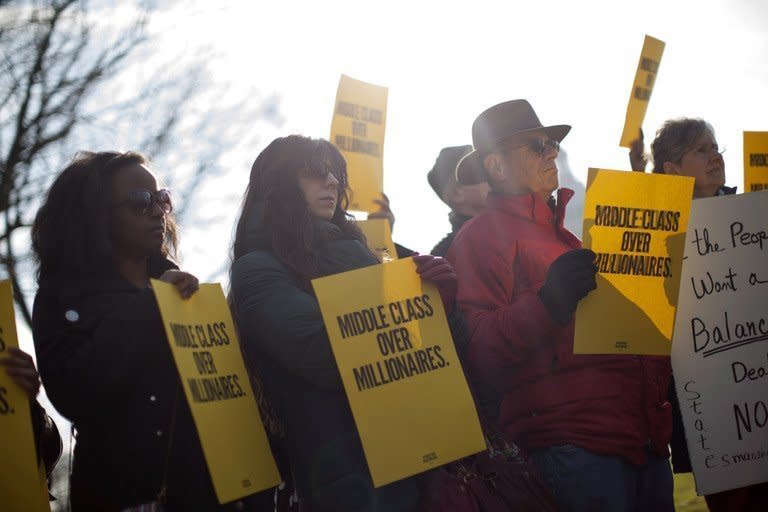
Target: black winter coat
(107, 367)
(282, 329)
(456, 220)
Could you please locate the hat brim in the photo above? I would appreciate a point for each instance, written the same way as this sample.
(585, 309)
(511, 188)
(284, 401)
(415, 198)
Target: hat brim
(470, 170)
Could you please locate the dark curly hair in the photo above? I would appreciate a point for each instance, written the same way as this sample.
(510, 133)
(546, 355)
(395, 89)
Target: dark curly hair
(71, 234)
(288, 224)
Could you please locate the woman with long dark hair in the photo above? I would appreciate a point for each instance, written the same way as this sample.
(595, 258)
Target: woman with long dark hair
(294, 227)
(103, 231)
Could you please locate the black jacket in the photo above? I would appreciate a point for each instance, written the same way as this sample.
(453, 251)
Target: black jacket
(107, 367)
(441, 249)
(282, 329)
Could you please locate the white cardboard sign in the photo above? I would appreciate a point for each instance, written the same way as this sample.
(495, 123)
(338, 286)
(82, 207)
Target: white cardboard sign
(720, 344)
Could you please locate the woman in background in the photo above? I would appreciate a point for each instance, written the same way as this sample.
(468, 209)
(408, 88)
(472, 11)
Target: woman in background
(688, 147)
(293, 228)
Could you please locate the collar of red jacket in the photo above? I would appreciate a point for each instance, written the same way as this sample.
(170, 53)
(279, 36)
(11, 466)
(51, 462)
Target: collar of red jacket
(533, 207)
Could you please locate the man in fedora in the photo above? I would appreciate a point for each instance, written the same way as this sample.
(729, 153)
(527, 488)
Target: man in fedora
(596, 426)
(465, 201)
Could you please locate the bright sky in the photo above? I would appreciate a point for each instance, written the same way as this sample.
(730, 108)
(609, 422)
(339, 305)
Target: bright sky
(444, 62)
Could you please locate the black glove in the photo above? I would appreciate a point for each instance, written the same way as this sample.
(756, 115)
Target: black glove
(569, 279)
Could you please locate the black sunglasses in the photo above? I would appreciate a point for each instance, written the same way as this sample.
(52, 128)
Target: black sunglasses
(318, 168)
(142, 201)
(539, 146)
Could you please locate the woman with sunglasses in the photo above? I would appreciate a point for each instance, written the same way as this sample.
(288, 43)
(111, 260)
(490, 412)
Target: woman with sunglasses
(103, 231)
(688, 147)
(294, 227)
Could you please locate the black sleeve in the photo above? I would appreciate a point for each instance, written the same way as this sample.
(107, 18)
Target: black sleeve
(403, 252)
(279, 318)
(84, 360)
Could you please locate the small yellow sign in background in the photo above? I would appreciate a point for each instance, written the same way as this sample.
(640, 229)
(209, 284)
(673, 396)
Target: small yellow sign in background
(403, 378)
(357, 129)
(22, 480)
(642, 87)
(755, 161)
(206, 349)
(379, 237)
(636, 225)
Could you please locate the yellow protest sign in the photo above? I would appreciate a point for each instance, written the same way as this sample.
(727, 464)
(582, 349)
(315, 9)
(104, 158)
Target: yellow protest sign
(357, 129)
(755, 161)
(379, 237)
(645, 77)
(22, 479)
(636, 225)
(404, 381)
(206, 349)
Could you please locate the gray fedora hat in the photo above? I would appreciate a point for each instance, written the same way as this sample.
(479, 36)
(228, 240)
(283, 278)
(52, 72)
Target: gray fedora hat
(493, 127)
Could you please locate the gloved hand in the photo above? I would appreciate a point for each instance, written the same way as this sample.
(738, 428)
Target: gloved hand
(569, 279)
(438, 271)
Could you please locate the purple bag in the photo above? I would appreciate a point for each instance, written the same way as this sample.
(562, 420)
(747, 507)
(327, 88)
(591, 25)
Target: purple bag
(500, 479)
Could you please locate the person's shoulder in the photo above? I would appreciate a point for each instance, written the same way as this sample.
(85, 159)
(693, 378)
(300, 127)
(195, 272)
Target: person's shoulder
(256, 260)
(483, 229)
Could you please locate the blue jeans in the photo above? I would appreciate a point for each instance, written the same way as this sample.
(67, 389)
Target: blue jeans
(582, 481)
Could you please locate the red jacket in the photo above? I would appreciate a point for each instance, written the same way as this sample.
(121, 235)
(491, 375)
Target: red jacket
(615, 405)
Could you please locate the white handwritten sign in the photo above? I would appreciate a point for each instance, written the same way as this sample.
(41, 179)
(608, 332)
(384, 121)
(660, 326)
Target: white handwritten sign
(720, 344)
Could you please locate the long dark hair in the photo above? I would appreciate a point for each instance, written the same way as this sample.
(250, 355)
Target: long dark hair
(71, 234)
(289, 226)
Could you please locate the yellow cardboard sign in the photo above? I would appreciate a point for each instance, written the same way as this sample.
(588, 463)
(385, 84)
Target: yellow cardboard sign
(400, 370)
(379, 237)
(206, 349)
(645, 78)
(755, 161)
(357, 129)
(636, 225)
(22, 477)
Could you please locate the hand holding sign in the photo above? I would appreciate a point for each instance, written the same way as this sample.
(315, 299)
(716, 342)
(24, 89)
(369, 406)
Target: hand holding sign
(22, 480)
(637, 159)
(21, 368)
(569, 279)
(185, 283)
(438, 271)
(384, 212)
